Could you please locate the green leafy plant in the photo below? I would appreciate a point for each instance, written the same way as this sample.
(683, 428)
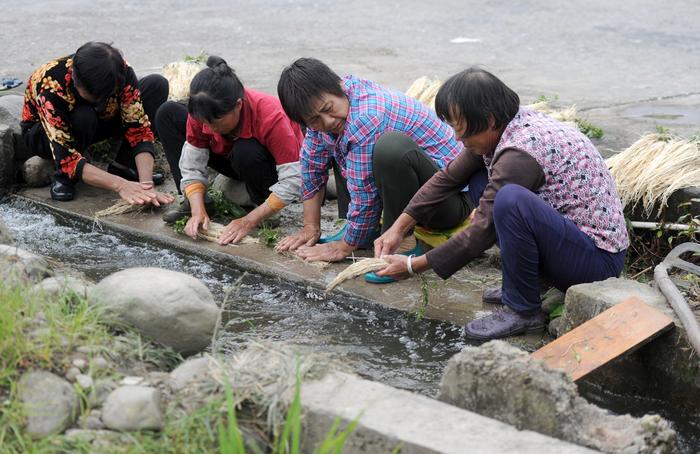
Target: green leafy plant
(268, 236)
(179, 225)
(201, 58)
(224, 207)
(589, 129)
(545, 98)
(424, 297)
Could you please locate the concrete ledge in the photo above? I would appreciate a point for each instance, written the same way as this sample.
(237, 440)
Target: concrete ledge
(391, 418)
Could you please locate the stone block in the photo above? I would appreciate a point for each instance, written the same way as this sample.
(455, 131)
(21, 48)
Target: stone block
(388, 418)
(502, 382)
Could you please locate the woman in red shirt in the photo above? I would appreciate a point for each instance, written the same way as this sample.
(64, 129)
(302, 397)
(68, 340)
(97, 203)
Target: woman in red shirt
(241, 133)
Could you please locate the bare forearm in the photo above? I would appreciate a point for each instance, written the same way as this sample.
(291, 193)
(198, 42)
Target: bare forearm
(144, 166)
(312, 210)
(261, 213)
(404, 223)
(94, 176)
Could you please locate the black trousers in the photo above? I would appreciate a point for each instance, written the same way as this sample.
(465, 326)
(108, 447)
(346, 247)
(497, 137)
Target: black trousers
(89, 129)
(248, 161)
(400, 168)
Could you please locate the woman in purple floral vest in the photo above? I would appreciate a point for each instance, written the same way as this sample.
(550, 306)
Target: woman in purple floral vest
(544, 195)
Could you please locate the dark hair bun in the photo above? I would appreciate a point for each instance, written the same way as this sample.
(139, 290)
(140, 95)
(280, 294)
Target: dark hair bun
(219, 65)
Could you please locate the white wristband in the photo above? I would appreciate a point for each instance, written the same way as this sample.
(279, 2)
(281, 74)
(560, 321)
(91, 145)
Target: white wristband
(408, 264)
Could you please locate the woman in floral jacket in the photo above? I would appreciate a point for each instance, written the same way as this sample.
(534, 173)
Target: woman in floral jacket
(75, 101)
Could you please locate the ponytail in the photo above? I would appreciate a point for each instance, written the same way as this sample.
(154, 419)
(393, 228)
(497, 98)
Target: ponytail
(214, 91)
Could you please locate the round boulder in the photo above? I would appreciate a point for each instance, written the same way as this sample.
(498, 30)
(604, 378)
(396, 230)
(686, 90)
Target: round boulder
(133, 408)
(50, 403)
(18, 266)
(172, 308)
(59, 285)
(37, 171)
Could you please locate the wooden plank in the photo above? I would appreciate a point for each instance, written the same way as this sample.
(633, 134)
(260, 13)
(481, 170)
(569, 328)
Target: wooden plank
(619, 330)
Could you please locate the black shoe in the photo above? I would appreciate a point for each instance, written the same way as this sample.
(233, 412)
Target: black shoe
(184, 209)
(132, 175)
(61, 191)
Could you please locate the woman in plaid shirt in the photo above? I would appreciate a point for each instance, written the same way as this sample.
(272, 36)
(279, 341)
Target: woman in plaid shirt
(385, 144)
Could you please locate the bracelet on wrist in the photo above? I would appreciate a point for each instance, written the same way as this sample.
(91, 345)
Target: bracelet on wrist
(409, 265)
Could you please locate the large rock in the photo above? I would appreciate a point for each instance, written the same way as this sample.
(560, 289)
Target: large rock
(7, 159)
(233, 190)
(663, 368)
(50, 403)
(172, 308)
(5, 234)
(37, 171)
(503, 382)
(62, 285)
(133, 408)
(18, 266)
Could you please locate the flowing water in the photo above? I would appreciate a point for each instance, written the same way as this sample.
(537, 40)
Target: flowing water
(378, 343)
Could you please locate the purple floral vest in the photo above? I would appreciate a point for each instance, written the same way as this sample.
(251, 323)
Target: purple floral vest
(577, 183)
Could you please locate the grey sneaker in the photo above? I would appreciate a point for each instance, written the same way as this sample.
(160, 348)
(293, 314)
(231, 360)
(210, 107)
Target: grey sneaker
(184, 209)
(505, 323)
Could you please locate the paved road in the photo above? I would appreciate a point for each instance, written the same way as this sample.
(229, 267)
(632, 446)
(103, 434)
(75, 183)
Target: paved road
(621, 56)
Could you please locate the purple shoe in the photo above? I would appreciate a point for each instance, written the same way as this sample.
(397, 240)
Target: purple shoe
(504, 323)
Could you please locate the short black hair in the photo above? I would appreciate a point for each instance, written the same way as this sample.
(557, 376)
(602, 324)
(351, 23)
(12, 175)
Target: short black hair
(475, 95)
(99, 68)
(214, 91)
(304, 81)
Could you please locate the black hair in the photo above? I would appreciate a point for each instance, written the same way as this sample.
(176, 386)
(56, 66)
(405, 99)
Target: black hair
(304, 81)
(476, 95)
(99, 68)
(214, 91)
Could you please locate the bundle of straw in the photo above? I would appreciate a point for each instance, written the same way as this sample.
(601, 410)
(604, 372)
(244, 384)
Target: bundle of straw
(120, 207)
(214, 232)
(179, 75)
(356, 269)
(653, 168)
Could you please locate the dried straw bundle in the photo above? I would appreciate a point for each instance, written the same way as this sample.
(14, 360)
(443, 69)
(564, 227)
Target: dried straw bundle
(567, 115)
(265, 374)
(653, 168)
(179, 75)
(360, 267)
(213, 233)
(424, 90)
(120, 207)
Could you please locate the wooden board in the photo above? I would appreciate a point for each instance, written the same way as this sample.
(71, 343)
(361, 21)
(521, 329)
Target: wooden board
(619, 330)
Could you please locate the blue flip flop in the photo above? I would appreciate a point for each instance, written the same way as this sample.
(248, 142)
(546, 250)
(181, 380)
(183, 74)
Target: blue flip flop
(339, 236)
(7, 84)
(372, 278)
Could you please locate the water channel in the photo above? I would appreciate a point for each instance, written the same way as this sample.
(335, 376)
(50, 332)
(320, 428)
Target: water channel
(380, 344)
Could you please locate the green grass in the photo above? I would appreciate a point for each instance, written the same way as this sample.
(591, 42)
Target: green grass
(589, 129)
(268, 236)
(193, 425)
(224, 207)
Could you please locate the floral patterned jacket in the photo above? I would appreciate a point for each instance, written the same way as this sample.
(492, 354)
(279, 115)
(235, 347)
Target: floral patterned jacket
(49, 98)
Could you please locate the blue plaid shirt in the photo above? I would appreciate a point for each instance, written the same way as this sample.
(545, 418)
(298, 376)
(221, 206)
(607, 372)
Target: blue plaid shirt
(374, 111)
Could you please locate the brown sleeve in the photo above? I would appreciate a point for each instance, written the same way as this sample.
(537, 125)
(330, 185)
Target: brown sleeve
(512, 166)
(443, 184)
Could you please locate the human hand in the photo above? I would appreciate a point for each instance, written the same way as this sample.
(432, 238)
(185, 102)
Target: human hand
(194, 222)
(388, 242)
(236, 230)
(143, 194)
(398, 267)
(334, 251)
(307, 236)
